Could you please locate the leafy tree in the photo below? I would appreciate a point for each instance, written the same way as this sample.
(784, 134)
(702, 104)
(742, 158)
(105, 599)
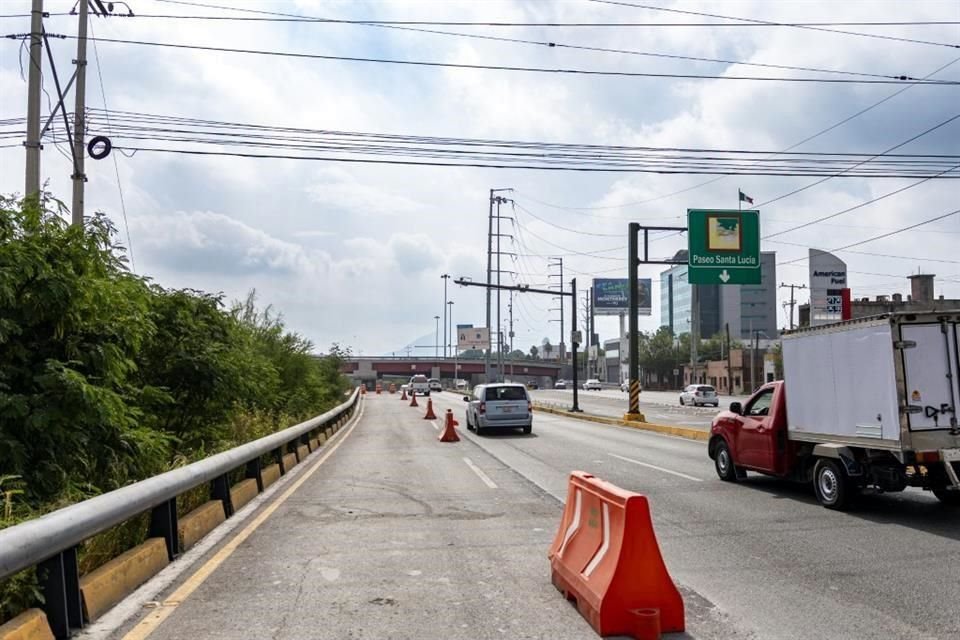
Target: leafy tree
(534, 353)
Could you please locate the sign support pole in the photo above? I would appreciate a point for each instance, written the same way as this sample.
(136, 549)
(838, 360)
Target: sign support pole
(573, 345)
(633, 262)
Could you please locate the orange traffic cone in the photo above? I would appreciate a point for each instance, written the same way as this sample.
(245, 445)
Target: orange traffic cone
(404, 396)
(449, 433)
(430, 414)
(413, 399)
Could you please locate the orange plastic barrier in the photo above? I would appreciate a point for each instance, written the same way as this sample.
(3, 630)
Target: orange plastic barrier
(413, 399)
(606, 557)
(430, 415)
(449, 433)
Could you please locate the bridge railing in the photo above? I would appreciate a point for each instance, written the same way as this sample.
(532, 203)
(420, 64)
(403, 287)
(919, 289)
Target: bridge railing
(51, 541)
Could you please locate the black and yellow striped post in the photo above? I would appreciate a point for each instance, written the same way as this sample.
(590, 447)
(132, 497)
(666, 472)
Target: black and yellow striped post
(633, 262)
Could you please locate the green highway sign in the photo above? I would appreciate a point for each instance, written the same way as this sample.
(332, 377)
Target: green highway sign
(724, 246)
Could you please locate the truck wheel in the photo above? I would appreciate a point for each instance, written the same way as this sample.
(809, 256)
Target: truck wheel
(949, 498)
(723, 462)
(831, 484)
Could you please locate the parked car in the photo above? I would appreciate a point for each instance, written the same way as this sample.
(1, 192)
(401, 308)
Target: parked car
(499, 405)
(461, 385)
(435, 384)
(419, 384)
(625, 386)
(592, 385)
(533, 385)
(560, 384)
(699, 395)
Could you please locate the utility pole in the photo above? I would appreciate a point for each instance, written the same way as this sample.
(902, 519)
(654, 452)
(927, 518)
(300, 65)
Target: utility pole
(595, 346)
(499, 327)
(558, 263)
(730, 361)
(79, 118)
(493, 199)
(436, 337)
(573, 345)
(445, 277)
(32, 179)
(510, 335)
(793, 301)
(694, 330)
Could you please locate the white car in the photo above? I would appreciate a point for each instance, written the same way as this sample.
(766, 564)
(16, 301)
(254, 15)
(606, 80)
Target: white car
(419, 384)
(560, 384)
(499, 405)
(435, 385)
(625, 386)
(699, 395)
(592, 385)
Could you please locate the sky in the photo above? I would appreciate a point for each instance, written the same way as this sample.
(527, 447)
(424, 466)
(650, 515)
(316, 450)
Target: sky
(353, 253)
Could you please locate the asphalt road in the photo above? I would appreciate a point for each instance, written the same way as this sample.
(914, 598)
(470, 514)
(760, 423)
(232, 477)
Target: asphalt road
(399, 536)
(774, 562)
(661, 407)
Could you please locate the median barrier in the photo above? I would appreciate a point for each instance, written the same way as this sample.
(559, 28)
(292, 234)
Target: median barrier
(200, 522)
(270, 474)
(114, 581)
(302, 452)
(30, 625)
(605, 556)
(243, 492)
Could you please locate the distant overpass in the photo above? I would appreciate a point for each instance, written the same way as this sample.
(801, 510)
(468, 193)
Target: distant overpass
(377, 367)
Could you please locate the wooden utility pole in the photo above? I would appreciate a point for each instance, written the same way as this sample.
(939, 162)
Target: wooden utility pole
(793, 301)
(79, 118)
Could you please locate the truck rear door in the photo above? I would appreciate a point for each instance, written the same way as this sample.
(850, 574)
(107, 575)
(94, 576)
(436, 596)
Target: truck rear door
(931, 374)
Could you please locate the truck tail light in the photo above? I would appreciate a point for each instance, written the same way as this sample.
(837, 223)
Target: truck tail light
(483, 407)
(529, 406)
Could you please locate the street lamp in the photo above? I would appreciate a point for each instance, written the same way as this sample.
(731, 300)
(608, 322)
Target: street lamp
(453, 346)
(436, 338)
(445, 277)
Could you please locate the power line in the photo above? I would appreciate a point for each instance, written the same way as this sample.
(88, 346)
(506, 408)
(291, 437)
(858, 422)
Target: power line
(876, 255)
(853, 208)
(403, 26)
(778, 24)
(893, 148)
(881, 236)
(791, 147)
(519, 69)
(116, 166)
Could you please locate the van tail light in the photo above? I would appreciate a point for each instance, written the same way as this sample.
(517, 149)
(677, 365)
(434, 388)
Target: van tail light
(529, 406)
(483, 407)
(928, 456)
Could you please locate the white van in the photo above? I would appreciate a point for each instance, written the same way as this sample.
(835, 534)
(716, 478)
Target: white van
(499, 405)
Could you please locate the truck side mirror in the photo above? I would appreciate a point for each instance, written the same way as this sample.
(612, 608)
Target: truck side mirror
(737, 408)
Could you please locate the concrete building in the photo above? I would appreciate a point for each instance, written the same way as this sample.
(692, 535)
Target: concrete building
(612, 370)
(746, 308)
(922, 297)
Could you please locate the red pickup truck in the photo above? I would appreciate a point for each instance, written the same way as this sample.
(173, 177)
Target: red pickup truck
(873, 406)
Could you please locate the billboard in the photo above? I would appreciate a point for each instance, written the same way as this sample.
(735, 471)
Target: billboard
(611, 296)
(472, 338)
(828, 279)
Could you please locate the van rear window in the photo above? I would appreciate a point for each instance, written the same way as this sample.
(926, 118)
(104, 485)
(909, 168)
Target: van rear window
(505, 393)
(419, 378)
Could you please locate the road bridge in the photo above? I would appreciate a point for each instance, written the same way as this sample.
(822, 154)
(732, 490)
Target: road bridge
(372, 368)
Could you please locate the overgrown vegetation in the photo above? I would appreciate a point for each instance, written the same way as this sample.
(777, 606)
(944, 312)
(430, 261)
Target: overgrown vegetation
(107, 378)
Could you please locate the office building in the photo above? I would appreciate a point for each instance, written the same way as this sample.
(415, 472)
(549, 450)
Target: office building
(746, 308)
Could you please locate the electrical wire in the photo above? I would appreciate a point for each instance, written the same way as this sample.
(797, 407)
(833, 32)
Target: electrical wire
(116, 166)
(402, 25)
(893, 148)
(777, 24)
(519, 69)
(853, 208)
(881, 236)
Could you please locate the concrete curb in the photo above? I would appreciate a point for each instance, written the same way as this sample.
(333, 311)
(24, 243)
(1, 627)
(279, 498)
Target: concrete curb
(200, 522)
(111, 583)
(680, 432)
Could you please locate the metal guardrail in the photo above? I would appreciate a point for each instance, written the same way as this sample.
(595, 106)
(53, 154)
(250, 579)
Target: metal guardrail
(50, 542)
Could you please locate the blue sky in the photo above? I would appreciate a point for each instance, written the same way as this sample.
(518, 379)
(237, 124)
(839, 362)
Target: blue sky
(354, 253)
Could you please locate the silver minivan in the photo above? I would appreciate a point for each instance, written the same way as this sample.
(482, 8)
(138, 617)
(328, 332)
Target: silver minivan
(499, 405)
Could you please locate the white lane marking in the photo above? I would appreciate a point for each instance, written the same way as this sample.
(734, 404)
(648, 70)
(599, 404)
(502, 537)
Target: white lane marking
(477, 470)
(606, 542)
(574, 523)
(653, 466)
(435, 425)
